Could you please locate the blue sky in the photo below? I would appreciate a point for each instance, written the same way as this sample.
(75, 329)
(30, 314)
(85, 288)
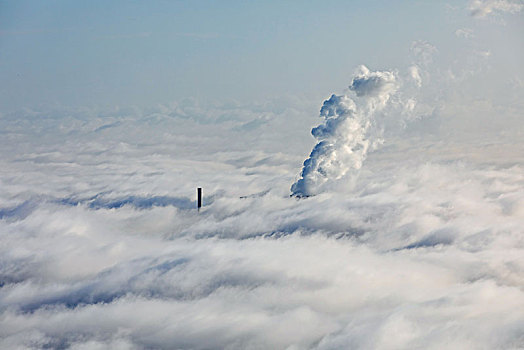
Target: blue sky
(143, 53)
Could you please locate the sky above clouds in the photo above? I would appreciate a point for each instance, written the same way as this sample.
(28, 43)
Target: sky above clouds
(145, 53)
(362, 165)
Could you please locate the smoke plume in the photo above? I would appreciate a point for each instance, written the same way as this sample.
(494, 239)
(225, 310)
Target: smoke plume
(351, 127)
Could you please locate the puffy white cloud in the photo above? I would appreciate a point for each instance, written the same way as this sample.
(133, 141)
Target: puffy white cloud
(465, 33)
(342, 146)
(344, 137)
(414, 73)
(379, 84)
(483, 8)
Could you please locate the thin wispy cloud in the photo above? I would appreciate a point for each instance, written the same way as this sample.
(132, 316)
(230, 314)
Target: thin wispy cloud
(465, 33)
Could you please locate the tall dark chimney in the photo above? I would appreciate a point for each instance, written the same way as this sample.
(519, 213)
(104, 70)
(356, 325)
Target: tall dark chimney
(199, 198)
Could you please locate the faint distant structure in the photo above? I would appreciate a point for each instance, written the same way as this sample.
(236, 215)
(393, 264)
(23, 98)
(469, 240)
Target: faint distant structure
(199, 198)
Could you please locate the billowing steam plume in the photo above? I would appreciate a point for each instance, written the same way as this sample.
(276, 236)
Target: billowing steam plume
(348, 132)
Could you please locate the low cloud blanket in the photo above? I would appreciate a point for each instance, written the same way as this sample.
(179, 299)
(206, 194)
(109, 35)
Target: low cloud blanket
(102, 247)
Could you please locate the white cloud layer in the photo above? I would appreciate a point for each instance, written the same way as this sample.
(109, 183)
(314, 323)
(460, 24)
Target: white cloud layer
(101, 247)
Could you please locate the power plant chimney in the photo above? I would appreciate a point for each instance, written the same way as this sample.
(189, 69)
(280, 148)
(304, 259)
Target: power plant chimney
(199, 198)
